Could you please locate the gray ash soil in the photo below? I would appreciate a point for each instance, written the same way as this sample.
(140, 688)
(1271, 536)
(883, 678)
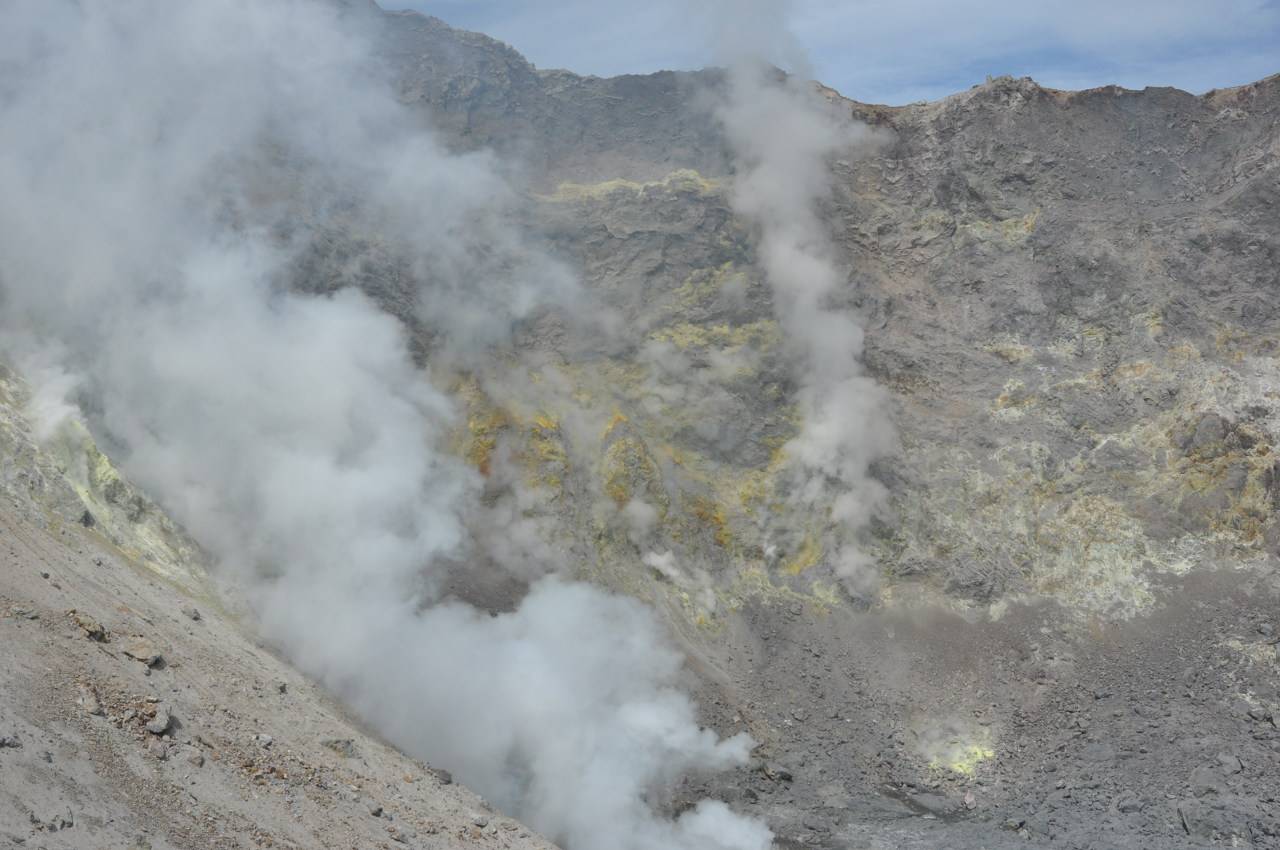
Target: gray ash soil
(217, 744)
(1159, 732)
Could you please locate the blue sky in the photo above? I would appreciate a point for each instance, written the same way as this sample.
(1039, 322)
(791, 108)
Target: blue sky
(900, 51)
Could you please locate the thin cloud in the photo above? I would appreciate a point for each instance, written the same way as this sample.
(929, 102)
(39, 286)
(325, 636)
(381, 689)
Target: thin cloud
(882, 52)
(899, 52)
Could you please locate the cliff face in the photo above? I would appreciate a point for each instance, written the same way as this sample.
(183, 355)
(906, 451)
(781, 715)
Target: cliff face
(1071, 292)
(483, 94)
(1070, 296)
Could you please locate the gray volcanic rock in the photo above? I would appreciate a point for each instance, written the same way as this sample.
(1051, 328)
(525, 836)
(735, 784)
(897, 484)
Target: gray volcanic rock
(1050, 285)
(483, 94)
(1070, 299)
(1070, 296)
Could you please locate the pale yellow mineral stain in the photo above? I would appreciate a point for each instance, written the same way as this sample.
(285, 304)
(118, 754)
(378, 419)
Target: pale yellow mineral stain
(683, 180)
(964, 759)
(120, 514)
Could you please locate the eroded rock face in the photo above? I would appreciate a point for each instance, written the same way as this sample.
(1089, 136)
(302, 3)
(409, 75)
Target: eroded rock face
(1067, 293)
(483, 94)
(1070, 298)
(1082, 359)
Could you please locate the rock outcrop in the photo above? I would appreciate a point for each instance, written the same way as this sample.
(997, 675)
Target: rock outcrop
(1069, 295)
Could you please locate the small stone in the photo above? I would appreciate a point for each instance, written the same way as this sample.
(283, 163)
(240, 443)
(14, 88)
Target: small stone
(194, 756)
(157, 749)
(1205, 780)
(1230, 764)
(265, 740)
(159, 724)
(1129, 805)
(90, 627)
(88, 700)
(776, 773)
(342, 746)
(481, 821)
(143, 650)
(192, 613)
(10, 741)
(375, 810)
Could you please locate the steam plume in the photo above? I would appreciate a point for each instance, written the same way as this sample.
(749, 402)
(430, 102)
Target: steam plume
(782, 132)
(165, 169)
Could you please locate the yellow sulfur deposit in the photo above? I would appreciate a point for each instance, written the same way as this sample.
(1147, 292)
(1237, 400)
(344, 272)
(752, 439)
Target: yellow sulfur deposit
(683, 180)
(963, 758)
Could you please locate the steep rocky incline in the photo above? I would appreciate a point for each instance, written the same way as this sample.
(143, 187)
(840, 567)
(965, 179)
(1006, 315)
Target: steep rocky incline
(137, 712)
(1068, 293)
(1070, 297)
(484, 94)
(1072, 293)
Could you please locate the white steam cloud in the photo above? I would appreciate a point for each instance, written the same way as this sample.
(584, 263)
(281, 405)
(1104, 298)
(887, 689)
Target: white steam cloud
(165, 167)
(782, 131)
